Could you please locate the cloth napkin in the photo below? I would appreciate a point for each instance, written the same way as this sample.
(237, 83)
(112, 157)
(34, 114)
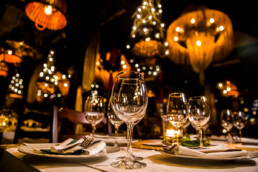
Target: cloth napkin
(72, 147)
(215, 152)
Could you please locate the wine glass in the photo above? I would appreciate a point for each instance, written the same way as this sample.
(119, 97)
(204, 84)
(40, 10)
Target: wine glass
(177, 111)
(129, 99)
(94, 110)
(199, 113)
(114, 121)
(239, 122)
(227, 122)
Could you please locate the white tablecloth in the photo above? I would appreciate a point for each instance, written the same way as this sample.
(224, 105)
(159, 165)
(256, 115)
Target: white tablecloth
(13, 160)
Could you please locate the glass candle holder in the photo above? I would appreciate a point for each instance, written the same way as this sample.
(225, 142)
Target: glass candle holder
(172, 130)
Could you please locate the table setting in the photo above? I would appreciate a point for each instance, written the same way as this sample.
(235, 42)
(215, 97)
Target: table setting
(127, 104)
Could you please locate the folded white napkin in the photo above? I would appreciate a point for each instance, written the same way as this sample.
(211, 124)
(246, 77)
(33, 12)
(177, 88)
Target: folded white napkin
(66, 148)
(215, 152)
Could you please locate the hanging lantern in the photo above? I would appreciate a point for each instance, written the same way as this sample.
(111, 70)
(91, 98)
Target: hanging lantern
(48, 14)
(146, 39)
(8, 55)
(200, 37)
(3, 69)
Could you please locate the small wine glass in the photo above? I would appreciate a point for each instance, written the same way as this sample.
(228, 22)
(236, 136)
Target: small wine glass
(116, 122)
(239, 122)
(199, 113)
(94, 110)
(227, 122)
(177, 111)
(129, 99)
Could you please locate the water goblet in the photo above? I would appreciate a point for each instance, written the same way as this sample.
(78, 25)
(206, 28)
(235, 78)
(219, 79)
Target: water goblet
(129, 99)
(227, 123)
(94, 110)
(199, 113)
(239, 122)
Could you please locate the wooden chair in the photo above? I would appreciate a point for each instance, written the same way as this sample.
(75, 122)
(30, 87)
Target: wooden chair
(34, 126)
(73, 116)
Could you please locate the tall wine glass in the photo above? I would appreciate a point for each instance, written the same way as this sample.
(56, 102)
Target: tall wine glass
(239, 122)
(129, 99)
(114, 121)
(94, 110)
(227, 122)
(199, 113)
(177, 111)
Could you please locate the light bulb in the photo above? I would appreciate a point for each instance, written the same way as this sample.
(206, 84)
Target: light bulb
(48, 10)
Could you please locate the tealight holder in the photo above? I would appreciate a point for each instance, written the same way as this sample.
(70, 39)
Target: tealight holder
(172, 130)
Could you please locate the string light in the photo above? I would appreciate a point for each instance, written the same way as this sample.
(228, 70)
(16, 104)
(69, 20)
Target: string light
(147, 32)
(16, 86)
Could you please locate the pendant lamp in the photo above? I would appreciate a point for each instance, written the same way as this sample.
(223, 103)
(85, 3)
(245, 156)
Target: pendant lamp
(47, 14)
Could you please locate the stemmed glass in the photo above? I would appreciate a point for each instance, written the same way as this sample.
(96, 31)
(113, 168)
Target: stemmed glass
(239, 122)
(199, 113)
(114, 121)
(94, 110)
(177, 110)
(129, 99)
(227, 122)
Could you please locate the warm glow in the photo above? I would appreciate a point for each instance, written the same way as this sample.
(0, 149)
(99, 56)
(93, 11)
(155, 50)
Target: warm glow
(178, 29)
(220, 85)
(10, 52)
(212, 20)
(48, 10)
(192, 20)
(65, 85)
(172, 133)
(198, 43)
(176, 38)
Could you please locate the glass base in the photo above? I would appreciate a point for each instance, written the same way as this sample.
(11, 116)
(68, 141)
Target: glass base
(125, 164)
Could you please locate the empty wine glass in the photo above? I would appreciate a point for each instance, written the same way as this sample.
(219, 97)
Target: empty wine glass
(199, 113)
(177, 111)
(227, 122)
(129, 99)
(94, 110)
(239, 122)
(114, 121)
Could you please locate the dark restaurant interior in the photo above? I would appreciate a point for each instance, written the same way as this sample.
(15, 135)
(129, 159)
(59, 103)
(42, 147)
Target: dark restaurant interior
(93, 43)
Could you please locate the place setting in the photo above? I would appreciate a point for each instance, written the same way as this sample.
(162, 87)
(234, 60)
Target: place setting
(177, 144)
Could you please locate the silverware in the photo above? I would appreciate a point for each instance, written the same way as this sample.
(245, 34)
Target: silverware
(86, 142)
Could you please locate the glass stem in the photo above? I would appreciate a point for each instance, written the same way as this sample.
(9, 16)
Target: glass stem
(129, 141)
(116, 135)
(240, 135)
(229, 139)
(200, 132)
(93, 130)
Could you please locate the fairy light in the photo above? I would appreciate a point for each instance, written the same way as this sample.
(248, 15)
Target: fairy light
(16, 86)
(149, 40)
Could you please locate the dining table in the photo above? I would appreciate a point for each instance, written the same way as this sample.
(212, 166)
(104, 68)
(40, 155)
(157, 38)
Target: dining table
(153, 155)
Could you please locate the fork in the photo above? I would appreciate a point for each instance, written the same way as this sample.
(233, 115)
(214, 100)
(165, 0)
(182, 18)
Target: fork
(86, 142)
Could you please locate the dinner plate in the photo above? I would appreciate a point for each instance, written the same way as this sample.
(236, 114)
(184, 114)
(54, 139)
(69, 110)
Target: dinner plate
(209, 158)
(34, 149)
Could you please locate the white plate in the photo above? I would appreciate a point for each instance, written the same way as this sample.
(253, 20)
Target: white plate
(209, 158)
(34, 149)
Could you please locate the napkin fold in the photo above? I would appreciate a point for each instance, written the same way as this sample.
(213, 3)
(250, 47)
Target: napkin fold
(72, 147)
(215, 152)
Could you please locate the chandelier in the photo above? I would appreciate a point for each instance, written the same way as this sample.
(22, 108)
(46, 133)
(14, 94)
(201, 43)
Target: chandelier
(7, 54)
(200, 37)
(48, 14)
(147, 35)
